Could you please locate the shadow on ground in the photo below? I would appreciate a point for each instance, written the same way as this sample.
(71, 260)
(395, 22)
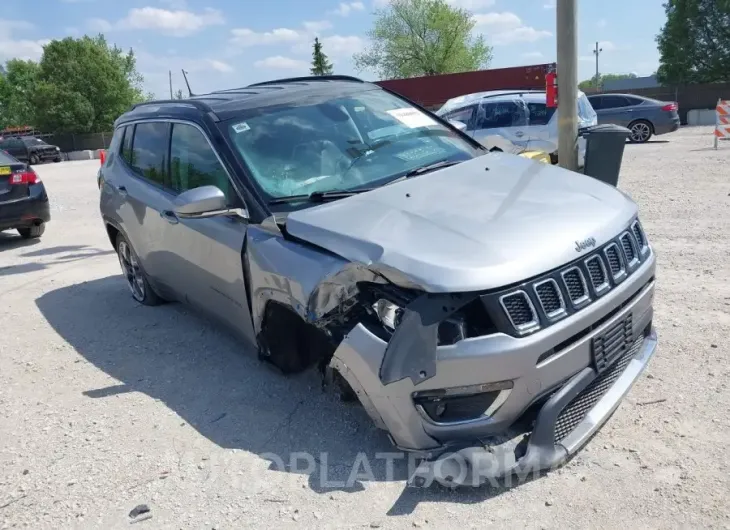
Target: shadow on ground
(10, 240)
(208, 378)
(50, 256)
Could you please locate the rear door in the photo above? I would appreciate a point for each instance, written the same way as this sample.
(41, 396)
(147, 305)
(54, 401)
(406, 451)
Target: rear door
(208, 252)
(614, 109)
(145, 195)
(539, 115)
(16, 148)
(505, 119)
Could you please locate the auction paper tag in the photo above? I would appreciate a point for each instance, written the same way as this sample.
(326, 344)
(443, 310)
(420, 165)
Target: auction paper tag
(241, 127)
(412, 118)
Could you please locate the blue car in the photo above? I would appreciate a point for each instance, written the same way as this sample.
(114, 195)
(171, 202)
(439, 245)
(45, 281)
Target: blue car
(644, 117)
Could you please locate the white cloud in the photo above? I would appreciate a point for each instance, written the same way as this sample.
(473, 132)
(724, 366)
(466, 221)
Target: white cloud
(246, 37)
(507, 28)
(471, 5)
(345, 8)
(279, 62)
(317, 25)
(12, 48)
(178, 23)
(333, 45)
(220, 66)
(550, 4)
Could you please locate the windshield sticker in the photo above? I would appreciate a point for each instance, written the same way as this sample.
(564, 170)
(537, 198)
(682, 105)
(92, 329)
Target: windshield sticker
(412, 118)
(241, 127)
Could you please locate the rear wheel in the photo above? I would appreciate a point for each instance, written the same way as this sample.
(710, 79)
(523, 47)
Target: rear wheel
(33, 159)
(134, 275)
(32, 232)
(641, 131)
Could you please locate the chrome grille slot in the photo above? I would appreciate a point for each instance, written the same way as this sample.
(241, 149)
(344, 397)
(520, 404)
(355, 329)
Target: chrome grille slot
(615, 261)
(550, 298)
(629, 248)
(520, 311)
(638, 232)
(597, 273)
(575, 283)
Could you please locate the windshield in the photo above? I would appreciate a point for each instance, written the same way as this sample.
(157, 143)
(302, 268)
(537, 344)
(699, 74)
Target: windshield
(33, 141)
(357, 141)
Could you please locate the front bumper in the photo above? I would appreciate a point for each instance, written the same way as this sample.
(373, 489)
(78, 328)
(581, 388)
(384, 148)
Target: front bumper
(26, 211)
(551, 383)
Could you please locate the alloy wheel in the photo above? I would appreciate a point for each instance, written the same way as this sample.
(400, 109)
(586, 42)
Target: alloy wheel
(132, 271)
(640, 132)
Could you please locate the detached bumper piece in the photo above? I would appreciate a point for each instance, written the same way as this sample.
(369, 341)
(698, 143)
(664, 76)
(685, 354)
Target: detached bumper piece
(564, 423)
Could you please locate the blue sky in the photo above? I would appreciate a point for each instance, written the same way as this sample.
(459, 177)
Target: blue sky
(229, 43)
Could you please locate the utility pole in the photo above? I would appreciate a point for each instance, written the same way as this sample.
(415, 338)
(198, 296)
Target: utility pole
(597, 52)
(567, 15)
(169, 73)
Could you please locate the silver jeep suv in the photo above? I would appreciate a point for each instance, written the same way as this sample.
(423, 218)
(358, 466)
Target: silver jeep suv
(486, 310)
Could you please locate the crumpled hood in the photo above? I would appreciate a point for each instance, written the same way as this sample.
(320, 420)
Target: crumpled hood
(482, 224)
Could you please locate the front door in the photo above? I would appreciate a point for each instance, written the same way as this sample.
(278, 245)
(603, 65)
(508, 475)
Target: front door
(209, 250)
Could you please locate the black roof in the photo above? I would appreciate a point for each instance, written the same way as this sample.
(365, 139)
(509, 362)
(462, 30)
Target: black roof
(225, 104)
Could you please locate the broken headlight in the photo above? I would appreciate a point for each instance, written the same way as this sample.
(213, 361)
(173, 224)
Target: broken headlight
(451, 330)
(390, 315)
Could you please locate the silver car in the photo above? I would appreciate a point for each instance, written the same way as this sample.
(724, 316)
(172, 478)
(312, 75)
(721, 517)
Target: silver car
(516, 120)
(488, 311)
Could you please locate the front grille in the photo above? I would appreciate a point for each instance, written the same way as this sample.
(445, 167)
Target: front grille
(548, 293)
(519, 309)
(597, 273)
(576, 410)
(576, 285)
(613, 256)
(543, 300)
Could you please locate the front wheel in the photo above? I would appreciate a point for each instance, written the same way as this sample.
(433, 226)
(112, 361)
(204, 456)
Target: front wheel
(641, 131)
(32, 232)
(33, 159)
(134, 275)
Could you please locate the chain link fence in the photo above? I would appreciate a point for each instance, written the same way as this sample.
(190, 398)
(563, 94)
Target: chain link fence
(79, 142)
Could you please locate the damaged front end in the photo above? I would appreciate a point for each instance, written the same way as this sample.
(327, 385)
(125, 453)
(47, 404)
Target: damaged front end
(464, 380)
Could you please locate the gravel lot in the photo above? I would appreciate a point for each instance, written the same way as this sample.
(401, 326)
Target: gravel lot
(106, 405)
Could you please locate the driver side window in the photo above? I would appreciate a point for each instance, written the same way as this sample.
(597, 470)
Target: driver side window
(193, 163)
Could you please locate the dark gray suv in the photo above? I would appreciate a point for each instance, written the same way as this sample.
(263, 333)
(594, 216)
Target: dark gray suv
(487, 310)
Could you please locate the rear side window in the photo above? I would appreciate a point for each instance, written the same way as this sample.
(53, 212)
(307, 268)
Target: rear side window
(463, 115)
(614, 102)
(596, 102)
(115, 145)
(126, 151)
(501, 114)
(634, 101)
(193, 163)
(149, 151)
(540, 113)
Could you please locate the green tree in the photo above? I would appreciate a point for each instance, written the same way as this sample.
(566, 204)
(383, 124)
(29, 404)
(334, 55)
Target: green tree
(413, 38)
(694, 44)
(179, 94)
(84, 84)
(602, 78)
(17, 85)
(320, 62)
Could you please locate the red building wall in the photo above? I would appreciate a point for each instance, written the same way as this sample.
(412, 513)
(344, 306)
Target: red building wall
(432, 91)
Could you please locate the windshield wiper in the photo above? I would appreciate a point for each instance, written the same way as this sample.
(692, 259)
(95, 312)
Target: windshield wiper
(317, 196)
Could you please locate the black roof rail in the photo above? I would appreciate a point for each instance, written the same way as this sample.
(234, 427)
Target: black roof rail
(198, 104)
(309, 78)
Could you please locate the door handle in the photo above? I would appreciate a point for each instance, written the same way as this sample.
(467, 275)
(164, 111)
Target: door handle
(122, 190)
(519, 134)
(169, 216)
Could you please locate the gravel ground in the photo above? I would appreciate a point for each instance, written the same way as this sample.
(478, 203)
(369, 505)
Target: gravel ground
(106, 405)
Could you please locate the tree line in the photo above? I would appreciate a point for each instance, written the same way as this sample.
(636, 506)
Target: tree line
(82, 85)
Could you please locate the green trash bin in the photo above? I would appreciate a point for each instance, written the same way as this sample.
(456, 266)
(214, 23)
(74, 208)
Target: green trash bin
(604, 151)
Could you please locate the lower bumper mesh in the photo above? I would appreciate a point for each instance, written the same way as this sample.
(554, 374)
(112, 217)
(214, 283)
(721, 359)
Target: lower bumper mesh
(576, 410)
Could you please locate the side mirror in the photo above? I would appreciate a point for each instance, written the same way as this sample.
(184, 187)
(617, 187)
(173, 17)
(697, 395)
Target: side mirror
(458, 124)
(205, 201)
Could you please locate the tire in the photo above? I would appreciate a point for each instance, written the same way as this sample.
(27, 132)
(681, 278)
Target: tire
(33, 159)
(134, 275)
(57, 159)
(641, 131)
(32, 232)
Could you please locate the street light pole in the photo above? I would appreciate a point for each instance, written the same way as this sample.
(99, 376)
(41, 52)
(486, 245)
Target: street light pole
(597, 52)
(567, 14)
